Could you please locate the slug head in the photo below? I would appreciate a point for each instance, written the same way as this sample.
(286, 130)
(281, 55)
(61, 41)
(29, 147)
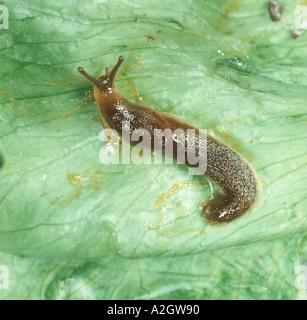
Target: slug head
(104, 83)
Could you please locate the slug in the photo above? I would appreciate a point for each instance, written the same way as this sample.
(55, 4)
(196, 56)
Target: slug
(241, 190)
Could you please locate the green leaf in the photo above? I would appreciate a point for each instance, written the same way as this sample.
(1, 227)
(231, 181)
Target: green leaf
(265, 270)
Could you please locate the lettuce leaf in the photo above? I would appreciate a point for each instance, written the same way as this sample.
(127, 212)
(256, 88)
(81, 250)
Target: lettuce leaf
(263, 270)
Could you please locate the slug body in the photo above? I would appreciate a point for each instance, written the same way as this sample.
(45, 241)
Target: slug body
(241, 190)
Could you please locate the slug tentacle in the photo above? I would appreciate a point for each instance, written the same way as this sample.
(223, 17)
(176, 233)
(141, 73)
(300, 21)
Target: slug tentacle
(241, 190)
(115, 69)
(88, 77)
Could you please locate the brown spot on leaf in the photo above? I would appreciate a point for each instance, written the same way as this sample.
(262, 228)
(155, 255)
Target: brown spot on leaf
(276, 10)
(59, 83)
(150, 38)
(173, 190)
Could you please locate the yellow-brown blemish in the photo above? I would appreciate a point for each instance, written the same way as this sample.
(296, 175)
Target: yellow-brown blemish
(225, 135)
(235, 144)
(186, 232)
(235, 122)
(59, 83)
(97, 119)
(71, 112)
(249, 156)
(163, 197)
(250, 141)
(175, 189)
(1, 93)
(150, 100)
(83, 181)
(234, 5)
(90, 96)
(171, 232)
(141, 63)
(203, 113)
(89, 99)
(78, 183)
(20, 110)
(134, 93)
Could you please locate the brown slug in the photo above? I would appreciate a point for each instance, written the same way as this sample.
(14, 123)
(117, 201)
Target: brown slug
(241, 190)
